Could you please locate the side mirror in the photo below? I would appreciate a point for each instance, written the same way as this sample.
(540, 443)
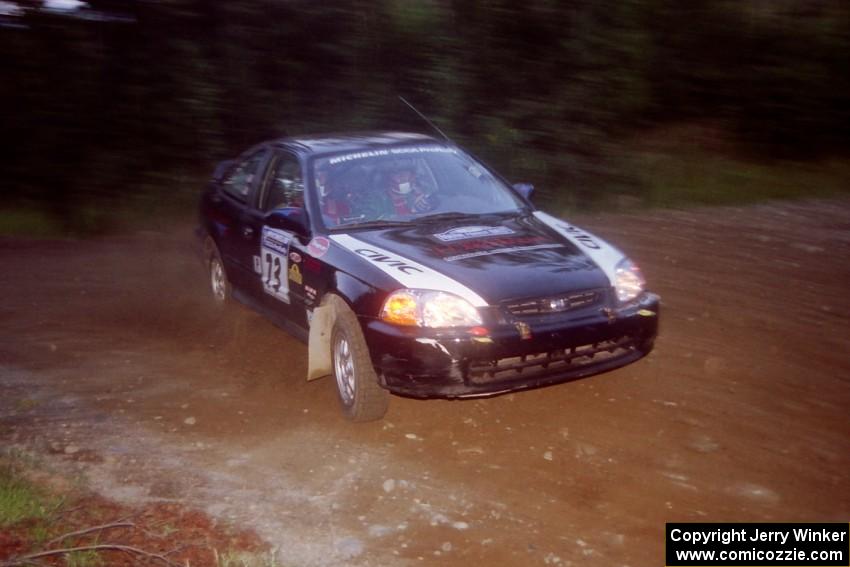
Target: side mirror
(292, 219)
(222, 168)
(524, 189)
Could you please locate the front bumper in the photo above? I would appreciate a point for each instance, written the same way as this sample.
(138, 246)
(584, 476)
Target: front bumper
(424, 363)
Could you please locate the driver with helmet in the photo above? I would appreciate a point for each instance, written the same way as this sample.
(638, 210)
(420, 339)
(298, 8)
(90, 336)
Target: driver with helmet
(334, 209)
(406, 196)
(399, 195)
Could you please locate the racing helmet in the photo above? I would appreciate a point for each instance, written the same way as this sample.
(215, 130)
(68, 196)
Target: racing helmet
(402, 181)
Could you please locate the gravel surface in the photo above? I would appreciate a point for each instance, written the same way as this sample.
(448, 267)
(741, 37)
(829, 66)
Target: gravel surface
(113, 364)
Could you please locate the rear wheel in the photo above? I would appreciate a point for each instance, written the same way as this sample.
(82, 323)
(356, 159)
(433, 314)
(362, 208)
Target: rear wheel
(219, 284)
(361, 397)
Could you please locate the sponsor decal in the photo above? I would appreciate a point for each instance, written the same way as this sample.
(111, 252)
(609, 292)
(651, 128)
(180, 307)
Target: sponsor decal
(390, 152)
(274, 249)
(310, 292)
(318, 246)
(276, 240)
(600, 252)
(295, 274)
(407, 272)
(489, 244)
(494, 245)
(500, 251)
(475, 171)
(465, 232)
(295, 257)
(258, 264)
(646, 313)
(581, 236)
(387, 260)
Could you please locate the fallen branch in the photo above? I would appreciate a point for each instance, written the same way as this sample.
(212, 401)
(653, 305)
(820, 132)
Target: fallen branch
(85, 531)
(28, 559)
(64, 512)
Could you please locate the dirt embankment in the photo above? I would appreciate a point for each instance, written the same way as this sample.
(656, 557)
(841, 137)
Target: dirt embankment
(739, 415)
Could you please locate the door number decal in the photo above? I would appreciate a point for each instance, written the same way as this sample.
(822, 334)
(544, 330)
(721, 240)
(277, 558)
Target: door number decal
(274, 257)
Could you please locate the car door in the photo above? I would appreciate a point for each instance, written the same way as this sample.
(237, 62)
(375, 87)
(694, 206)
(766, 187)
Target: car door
(238, 239)
(280, 251)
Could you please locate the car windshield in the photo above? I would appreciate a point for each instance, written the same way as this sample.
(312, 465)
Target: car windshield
(403, 184)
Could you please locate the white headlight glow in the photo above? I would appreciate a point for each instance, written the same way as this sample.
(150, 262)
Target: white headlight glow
(425, 308)
(629, 282)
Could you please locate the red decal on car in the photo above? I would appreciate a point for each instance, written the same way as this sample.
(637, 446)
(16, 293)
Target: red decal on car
(318, 246)
(489, 244)
(312, 265)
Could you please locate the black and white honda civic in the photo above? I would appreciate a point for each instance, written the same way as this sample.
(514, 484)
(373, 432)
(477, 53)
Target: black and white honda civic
(409, 267)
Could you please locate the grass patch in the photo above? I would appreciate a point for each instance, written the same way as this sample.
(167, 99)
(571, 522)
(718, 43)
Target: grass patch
(29, 221)
(693, 164)
(682, 167)
(26, 404)
(44, 521)
(97, 218)
(665, 180)
(20, 500)
(40, 533)
(245, 559)
(88, 558)
(156, 203)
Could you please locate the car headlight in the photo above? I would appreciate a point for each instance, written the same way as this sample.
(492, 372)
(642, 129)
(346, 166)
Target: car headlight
(628, 281)
(423, 308)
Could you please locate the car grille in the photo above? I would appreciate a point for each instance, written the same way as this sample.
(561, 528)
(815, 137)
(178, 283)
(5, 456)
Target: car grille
(567, 360)
(556, 304)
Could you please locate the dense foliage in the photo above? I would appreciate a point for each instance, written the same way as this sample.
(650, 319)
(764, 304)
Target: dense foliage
(129, 95)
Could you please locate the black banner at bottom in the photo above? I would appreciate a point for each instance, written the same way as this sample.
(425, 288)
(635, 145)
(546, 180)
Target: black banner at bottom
(757, 545)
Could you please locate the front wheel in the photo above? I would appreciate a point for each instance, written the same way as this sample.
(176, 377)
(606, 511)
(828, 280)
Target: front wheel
(361, 397)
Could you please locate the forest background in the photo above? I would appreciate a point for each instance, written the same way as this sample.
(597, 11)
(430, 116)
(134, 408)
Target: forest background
(118, 110)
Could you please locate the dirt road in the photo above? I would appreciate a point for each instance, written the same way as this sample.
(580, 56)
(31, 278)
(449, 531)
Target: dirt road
(112, 363)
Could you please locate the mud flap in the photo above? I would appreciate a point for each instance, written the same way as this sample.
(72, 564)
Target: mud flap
(319, 341)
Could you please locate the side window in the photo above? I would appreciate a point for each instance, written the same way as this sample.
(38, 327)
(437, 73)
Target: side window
(285, 185)
(238, 182)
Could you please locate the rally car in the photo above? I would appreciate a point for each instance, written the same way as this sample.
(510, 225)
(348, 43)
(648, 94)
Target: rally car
(409, 267)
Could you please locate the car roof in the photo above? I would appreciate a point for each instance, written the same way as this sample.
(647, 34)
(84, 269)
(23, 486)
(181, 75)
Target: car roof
(350, 141)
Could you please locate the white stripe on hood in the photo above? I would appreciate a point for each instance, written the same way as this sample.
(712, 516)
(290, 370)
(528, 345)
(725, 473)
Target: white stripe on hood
(603, 254)
(408, 273)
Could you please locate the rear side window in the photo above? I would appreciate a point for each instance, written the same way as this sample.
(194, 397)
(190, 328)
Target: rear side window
(241, 178)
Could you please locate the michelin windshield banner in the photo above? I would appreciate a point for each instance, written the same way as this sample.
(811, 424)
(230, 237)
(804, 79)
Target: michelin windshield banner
(760, 545)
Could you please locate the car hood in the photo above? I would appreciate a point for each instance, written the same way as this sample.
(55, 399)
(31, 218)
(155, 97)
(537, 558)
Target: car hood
(504, 259)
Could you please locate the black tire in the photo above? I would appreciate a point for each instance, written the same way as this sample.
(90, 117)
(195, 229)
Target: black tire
(219, 284)
(360, 396)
